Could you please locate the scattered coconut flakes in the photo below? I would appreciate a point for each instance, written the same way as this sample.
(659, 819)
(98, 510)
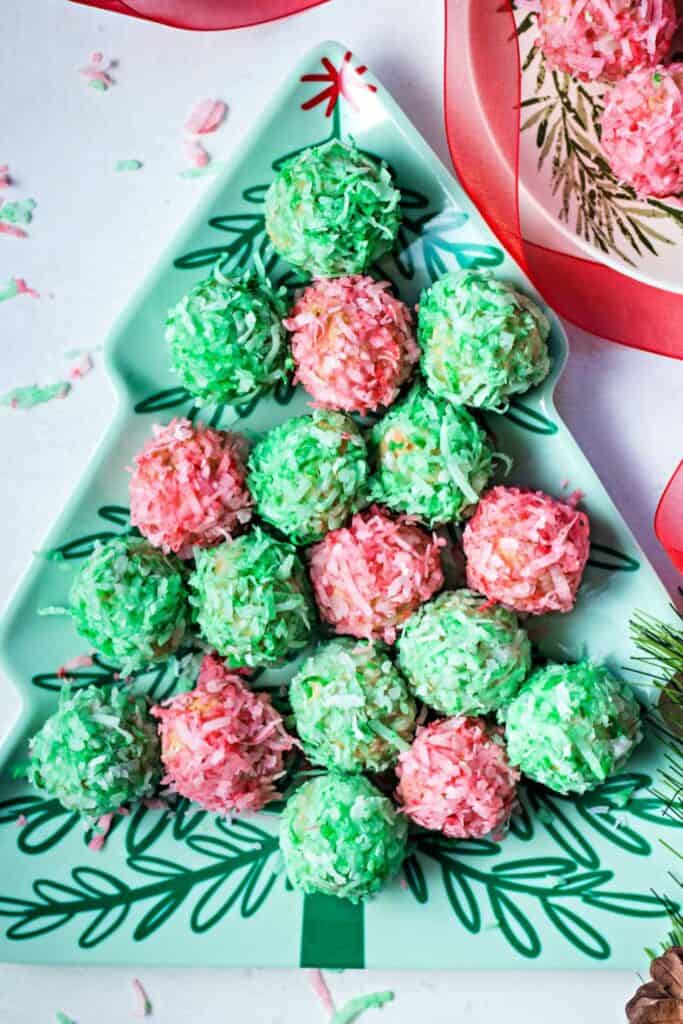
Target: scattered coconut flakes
(21, 820)
(206, 117)
(320, 987)
(195, 153)
(199, 172)
(96, 73)
(5, 178)
(17, 286)
(80, 661)
(352, 1010)
(12, 230)
(20, 211)
(143, 1004)
(103, 828)
(62, 1018)
(127, 165)
(34, 394)
(81, 367)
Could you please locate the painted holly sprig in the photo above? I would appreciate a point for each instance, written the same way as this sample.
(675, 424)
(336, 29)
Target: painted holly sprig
(565, 116)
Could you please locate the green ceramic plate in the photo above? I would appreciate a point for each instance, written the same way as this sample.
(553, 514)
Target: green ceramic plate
(573, 883)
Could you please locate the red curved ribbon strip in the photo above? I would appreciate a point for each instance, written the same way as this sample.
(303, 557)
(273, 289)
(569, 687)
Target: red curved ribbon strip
(481, 108)
(669, 518)
(206, 15)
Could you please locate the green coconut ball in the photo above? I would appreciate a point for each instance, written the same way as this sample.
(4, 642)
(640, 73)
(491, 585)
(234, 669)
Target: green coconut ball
(129, 601)
(332, 210)
(99, 750)
(308, 475)
(340, 836)
(462, 657)
(226, 336)
(572, 726)
(252, 600)
(429, 458)
(482, 341)
(353, 710)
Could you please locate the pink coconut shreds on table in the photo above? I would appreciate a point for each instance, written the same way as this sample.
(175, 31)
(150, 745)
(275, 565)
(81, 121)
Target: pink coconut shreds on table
(352, 342)
(222, 745)
(526, 550)
(642, 130)
(456, 778)
(369, 577)
(206, 117)
(605, 39)
(188, 487)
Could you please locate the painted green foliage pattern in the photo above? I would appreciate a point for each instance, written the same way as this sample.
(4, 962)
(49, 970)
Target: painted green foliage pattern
(239, 862)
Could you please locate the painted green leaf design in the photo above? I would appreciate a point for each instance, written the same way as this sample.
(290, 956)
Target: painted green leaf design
(535, 867)
(415, 877)
(578, 931)
(169, 398)
(145, 828)
(521, 824)
(530, 419)
(583, 881)
(104, 924)
(462, 899)
(562, 830)
(603, 556)
(629, 904)
(514, 924)
(158, 915)
(155, 867)
(616, 831)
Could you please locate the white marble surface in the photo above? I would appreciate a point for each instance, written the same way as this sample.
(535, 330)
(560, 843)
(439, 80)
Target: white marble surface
(94, 234)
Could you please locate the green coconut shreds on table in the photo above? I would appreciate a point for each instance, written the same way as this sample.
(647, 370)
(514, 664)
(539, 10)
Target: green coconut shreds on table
(572, 726)
(308, 475)
(340, 836)
(352, 1010)
(99, 750)
(429, 458)
(332, 210)
(252, 600)
(462, 658)
(130, 602)
(29, 395)
(481, 340)
(353, 709)
(226, 337)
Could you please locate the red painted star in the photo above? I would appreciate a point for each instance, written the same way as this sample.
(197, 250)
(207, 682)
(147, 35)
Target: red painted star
(343, 81)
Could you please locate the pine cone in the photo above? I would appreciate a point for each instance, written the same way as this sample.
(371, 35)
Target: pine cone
(660, 1001)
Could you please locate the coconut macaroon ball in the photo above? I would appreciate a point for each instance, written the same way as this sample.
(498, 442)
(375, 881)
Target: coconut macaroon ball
(251, 600)
(222, 745)
(369, 577)
(463, 657)
(572, 726)
(340, 836)
(642, 130)
(98, 751)
(226, 337)
(332, 210)
(308, 475)
(456, 778)
(429, 458)
(526, 550)
(188, 487)
(605, 39)
(353, 709)
(129, 601)
(482, 341)
(352, 343)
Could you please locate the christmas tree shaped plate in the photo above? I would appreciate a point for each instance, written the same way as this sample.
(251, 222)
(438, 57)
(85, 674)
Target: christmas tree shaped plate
(574, 883)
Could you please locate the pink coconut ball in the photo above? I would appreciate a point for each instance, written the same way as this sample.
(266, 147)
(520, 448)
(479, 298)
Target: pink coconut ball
(369, 577)
(456, 778)
(222, 745)
(188, 487)
(352, 342)
(605, 39)
(642, 130)
(526, 550)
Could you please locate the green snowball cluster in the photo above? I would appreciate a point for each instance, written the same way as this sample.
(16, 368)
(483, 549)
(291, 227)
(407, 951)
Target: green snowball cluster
(99, 750)
(461, 659)
(308, 475)
(353, 709)
(226, 336)
(481, 340)
(332, 210)
(572, 726)
(340, 836)
(252, 600)
(430, 458)
(129, 601)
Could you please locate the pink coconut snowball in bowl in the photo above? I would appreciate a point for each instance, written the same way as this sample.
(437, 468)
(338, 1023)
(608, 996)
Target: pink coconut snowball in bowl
(352, 342)
(369, 578)
(188, 487)
(642, 130)
(456, 779)
(222, 745)
(526, 550)
(604, 39)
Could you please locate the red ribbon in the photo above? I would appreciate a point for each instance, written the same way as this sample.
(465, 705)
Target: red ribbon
(669, 518)
(206, 15)
(481, 105)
